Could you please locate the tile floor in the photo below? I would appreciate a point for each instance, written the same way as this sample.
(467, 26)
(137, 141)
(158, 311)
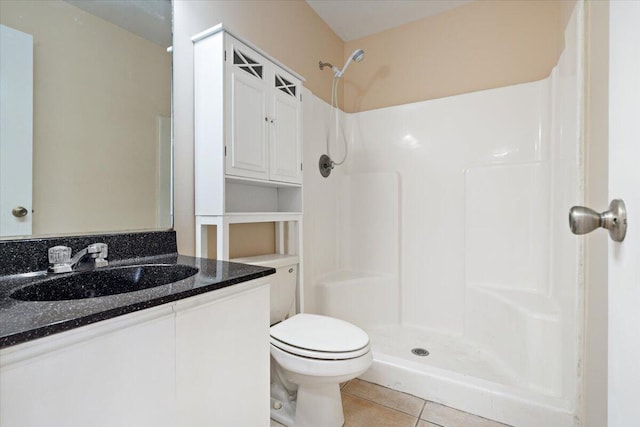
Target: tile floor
(369, 405)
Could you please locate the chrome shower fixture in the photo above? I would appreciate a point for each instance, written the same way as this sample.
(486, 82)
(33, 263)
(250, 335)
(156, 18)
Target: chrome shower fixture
(357, 56)
(325, 64)
(325, 164)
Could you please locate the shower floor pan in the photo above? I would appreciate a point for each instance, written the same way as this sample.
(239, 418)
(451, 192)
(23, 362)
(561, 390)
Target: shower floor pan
(459, 374)
(446, 352)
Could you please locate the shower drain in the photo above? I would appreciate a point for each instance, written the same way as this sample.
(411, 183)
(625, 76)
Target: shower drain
(419, 351)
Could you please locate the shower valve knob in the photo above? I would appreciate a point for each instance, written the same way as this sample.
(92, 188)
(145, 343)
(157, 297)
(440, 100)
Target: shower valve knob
(583, 220)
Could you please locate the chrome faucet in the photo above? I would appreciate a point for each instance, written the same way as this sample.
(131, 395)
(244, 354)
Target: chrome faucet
(60, 260)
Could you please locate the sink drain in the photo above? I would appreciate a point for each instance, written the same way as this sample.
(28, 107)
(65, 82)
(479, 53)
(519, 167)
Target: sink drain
(419, 351)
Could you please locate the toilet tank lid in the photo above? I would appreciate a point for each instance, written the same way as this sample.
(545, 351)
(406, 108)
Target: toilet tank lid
(270, 260)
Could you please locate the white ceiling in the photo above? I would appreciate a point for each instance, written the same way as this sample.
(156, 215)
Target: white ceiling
(150, 19)
(352, 19)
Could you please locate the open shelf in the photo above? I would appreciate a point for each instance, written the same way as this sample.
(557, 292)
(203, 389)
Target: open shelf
(249, 196)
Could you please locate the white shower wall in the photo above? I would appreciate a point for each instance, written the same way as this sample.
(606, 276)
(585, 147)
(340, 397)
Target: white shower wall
(450, 217)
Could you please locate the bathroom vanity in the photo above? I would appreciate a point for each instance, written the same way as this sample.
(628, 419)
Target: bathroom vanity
(189, 353)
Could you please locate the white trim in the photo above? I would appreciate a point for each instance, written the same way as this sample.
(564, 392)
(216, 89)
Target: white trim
(223, 28)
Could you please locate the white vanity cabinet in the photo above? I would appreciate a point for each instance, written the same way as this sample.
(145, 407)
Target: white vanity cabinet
(199, 361)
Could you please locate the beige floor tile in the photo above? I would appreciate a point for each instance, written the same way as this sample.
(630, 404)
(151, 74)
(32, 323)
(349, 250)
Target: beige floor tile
(275, 424)
(423, 423)
(364, 413)
(385, 396)
(449, 417)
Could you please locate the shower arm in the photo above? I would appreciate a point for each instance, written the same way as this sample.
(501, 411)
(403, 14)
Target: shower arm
(325, 64)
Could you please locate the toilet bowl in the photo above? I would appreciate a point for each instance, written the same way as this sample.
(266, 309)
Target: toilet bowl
(310, 354)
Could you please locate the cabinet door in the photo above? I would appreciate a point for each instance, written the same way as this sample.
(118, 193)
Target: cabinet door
(222, 360)
(286, 128)
(246, 118)
(114, 373)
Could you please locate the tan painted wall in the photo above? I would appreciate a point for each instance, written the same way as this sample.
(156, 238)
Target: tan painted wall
(245, 240)
(478, 46)
(596, 169)
(291, 32)
(98, 90)
(481, 45)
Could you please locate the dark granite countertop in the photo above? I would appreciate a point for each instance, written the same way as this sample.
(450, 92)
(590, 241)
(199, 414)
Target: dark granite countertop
(22, 321)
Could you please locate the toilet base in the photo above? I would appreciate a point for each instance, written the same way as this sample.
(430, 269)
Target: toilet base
(283, 406)
(319, 405)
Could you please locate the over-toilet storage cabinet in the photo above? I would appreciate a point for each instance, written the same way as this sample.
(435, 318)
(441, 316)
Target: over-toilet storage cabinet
(262, 116)
(247, 142)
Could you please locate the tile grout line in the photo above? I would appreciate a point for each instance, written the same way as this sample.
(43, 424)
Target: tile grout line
(419, 416)
(385, 406)
(424, 403)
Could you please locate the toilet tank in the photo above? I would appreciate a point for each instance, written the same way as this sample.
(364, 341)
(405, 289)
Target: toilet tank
(283, 283)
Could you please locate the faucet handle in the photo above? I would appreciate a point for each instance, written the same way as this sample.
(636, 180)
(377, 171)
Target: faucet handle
(99, 251)
(59, 254)
(60, 259)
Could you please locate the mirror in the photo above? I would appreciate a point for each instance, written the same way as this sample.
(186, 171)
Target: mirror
(85, 133)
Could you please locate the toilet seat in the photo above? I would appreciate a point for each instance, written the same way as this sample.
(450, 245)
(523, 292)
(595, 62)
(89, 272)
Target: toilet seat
(319, 337)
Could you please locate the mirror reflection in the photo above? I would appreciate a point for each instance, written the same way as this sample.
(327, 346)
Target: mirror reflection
(85, 135)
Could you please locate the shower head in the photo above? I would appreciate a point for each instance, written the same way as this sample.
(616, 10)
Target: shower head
(357, 55)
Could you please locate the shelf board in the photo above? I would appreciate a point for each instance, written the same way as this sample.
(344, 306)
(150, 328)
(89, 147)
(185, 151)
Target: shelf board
(260, 182)
(246, 217)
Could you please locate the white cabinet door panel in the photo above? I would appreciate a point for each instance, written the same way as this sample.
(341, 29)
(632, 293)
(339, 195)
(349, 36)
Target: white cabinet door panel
(285, 139)
(222, 361)
(247, 147)
(117, 378)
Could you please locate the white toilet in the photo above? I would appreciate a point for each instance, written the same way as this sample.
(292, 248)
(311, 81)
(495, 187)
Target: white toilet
(310, 354)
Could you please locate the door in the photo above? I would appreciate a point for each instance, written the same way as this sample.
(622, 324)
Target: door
(624, 183)
(246, 147)
(164, 189)
(285, 129)
(16, 131)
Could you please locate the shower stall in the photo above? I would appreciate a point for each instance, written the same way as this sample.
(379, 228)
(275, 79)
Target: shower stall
(445, 232)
